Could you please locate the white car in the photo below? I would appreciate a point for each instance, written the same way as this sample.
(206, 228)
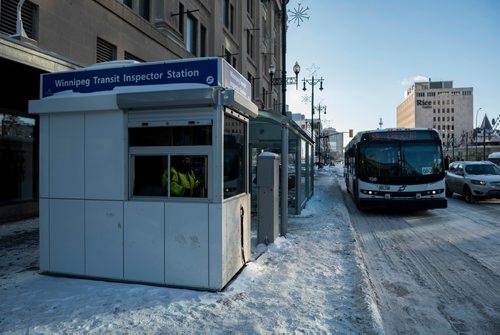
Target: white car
(473, 180)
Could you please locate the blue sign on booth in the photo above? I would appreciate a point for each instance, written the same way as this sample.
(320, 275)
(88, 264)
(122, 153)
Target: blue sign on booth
(204, 71)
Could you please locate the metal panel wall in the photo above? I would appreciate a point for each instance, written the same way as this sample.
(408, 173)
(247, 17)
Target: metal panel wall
(44, 231)
(144, 242)
(105, 155)
(67, 236)
(66, 156)
(186, 244)
(104, 239)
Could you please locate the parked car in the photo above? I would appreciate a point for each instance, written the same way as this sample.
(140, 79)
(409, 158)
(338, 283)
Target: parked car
(495, 158)
(473, 180)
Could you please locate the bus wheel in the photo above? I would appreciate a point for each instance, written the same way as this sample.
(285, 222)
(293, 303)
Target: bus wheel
(468, 195)
(448, 192)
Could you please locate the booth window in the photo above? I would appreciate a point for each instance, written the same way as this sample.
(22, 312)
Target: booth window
(160, 169)
(170, 136)
(148, 171)
(186, 177)
(234, 156)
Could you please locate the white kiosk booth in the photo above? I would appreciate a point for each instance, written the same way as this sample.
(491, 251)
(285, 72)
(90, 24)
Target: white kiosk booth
(144, 172)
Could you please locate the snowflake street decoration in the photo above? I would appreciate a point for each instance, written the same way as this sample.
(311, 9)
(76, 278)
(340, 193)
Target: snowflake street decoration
(306, 99)
(313, 70)
(298, 14)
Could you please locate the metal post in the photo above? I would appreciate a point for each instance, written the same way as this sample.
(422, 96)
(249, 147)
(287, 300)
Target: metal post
(312, 135)
(467, 146)
(284, 129)
(484, 142)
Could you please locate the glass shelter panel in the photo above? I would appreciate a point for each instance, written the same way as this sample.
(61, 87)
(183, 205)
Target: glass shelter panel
(235, 139)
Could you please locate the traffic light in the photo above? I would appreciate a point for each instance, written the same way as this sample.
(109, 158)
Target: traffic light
(350, 132)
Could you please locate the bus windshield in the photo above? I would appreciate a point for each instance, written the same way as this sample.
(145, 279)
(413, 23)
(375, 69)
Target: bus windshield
(401, 162)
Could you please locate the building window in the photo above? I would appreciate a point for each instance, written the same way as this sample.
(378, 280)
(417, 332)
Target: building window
(144, 9)
(228, 15)
(8, 18)
(225, 13)
(250, 7)
(434, 110)
(203, 41)
(231, 29)
(434, 119)
(250, 44)
(128, 55)
(453, 110)
(17, 150)
(191, 34)
(105, 51)
(227, 56)
(127, 3)
(181, 19)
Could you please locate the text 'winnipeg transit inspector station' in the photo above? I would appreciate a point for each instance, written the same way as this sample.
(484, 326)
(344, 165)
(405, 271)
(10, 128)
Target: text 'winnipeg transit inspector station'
(126, 78)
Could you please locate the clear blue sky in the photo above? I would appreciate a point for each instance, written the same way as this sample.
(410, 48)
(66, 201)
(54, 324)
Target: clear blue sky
(370, 51)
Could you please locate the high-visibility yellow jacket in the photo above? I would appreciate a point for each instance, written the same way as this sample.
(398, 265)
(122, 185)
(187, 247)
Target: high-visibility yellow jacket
(181, 184)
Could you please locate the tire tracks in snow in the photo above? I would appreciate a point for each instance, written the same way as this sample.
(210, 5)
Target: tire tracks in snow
(423, 276)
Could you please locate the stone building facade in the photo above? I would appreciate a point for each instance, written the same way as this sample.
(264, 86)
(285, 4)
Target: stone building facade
(61, 35)
(440, 106)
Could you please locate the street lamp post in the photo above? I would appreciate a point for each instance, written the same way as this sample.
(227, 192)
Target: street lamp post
(284, 128)
(320, 109)
(476, 131)
(283, 81)
(312, 82)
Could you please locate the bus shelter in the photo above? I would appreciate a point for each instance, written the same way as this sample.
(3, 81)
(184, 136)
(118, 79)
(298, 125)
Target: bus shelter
(144, 172)
(265, 136)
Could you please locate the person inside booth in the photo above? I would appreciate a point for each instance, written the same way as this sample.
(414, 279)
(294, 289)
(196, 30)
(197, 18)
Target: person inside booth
(183, 180)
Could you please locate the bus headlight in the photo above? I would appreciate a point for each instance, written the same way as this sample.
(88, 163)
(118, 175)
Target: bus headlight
(369, 192)
(435, 192)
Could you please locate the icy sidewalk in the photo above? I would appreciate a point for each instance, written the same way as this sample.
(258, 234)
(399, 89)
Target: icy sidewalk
(308, 282)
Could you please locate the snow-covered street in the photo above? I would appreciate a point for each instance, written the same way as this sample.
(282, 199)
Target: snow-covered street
(436, 271)
(310, 282)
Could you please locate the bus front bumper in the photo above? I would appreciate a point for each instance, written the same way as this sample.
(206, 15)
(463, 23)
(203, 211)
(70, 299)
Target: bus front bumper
(377, 203)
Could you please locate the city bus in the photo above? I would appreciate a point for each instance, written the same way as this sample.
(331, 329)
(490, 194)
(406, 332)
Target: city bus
(396, 168)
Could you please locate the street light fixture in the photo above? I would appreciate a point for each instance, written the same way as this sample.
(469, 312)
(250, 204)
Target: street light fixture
(288, 80)
(312, 82)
